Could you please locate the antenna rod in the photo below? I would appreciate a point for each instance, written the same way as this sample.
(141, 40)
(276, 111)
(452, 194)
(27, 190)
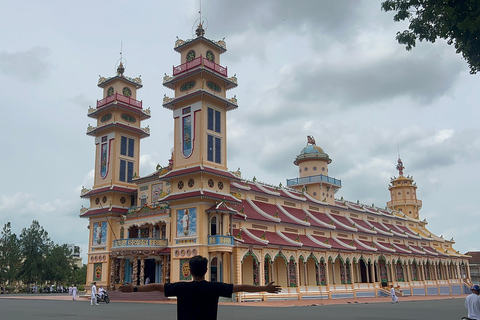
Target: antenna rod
(398, 148)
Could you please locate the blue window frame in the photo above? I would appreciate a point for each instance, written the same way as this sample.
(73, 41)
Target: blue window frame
(127, 145)
(214, 152)
(123, 146)
(218, 153)
(130, 172)
(214, 120)
(123, 167)
(131, 146)
(126, 171)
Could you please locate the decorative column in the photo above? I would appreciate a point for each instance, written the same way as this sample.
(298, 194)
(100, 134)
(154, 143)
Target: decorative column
(224, 266)
(389, 272)
(122, 271)
(142, 271)
(261, 271)
(353, 279)
(135, 270)
(375, 276)
(357, 268)
(369, 270)
(327, 278)
(167, 269)
(112, 274)
(297, 274)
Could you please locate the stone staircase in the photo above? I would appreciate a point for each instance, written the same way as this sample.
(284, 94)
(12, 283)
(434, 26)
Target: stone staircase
(117, 296)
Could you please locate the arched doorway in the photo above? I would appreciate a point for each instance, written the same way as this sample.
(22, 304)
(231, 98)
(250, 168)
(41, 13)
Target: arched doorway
(279, 270)
(215, 270)
(250, 272)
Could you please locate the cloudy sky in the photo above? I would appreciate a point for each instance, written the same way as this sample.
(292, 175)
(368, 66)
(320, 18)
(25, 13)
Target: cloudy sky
(331, 69)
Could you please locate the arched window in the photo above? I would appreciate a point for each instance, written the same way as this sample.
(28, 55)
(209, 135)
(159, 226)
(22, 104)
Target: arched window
(213, 226)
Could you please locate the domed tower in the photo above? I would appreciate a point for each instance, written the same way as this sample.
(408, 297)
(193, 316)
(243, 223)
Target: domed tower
(313, 178)
(403, 194)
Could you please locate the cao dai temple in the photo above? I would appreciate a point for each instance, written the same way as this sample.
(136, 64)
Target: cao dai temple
(298, 235)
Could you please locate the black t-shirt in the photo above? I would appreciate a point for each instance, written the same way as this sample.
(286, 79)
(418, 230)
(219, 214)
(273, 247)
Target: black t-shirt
(198, 300)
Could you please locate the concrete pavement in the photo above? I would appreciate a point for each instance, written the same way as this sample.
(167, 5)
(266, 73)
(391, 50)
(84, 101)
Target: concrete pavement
(60, 306)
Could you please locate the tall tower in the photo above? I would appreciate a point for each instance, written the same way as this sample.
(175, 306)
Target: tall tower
(403, 194)
(199, 179)
(313, 178)
(117, 158)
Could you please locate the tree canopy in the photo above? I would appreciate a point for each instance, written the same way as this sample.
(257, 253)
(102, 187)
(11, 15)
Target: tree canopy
(34, 258)
(457, 21)
(10, 257)
(34, 246)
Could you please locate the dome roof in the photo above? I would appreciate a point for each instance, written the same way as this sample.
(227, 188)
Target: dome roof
(311, 149)
(312, 152)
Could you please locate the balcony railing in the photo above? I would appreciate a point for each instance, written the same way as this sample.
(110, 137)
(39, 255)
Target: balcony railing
(197, 62)
(318, 178)
(120, 98)
(140, 242)
(220, 240)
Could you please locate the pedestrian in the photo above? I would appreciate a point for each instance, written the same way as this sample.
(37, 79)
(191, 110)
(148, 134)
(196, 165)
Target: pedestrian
(70, 290)
(393, 294)
(198, 299)
(472, 303)
(74, 292)
(93, 297)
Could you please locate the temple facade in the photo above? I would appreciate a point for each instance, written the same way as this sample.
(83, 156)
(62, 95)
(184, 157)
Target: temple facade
(300, 235)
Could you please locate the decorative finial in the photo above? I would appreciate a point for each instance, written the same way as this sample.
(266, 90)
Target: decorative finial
(400, 166)
(200, 31)
(121, 67)
(311, 140)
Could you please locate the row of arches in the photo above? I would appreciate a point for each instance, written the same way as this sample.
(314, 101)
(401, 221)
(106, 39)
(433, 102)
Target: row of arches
(340, 270)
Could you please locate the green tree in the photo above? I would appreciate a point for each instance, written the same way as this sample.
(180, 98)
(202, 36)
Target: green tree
(57, 264)
(10, 258)
(457, 21)
(34, 246)
(79, 275)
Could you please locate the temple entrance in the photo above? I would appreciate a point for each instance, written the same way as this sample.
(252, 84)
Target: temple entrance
(150, 270)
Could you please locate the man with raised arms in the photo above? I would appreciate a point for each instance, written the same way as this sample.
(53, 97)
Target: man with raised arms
(198, 299)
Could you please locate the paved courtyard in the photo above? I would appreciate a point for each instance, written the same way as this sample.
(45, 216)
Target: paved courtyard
(25, 308)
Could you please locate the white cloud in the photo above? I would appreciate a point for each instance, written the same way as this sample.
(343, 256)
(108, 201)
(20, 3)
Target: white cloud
(331, 69)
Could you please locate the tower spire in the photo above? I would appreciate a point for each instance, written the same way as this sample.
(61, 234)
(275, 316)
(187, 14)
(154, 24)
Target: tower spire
(121, 67)
(400, 166)
(200, 31)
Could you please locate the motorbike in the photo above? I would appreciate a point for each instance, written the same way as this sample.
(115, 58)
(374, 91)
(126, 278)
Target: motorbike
(105, 298)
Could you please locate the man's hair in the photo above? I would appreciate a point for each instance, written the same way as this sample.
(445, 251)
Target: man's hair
(198, 266)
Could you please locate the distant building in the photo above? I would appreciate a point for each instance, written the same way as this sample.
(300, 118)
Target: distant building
(77, 260)
(299, 234)
(474, 263)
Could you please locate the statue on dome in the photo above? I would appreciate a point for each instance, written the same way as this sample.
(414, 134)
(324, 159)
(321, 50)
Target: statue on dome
(400, 166)
(311, 140)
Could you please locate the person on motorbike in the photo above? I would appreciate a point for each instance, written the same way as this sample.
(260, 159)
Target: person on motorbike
(101, 292)
(472, 303)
